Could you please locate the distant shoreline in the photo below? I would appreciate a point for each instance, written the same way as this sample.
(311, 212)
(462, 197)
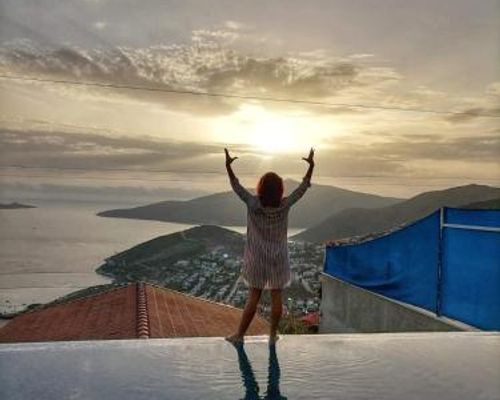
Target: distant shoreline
(14, 206)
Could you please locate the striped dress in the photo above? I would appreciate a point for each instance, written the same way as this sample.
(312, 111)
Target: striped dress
(266, 264)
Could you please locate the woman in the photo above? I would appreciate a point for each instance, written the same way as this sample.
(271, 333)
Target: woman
(265, 261)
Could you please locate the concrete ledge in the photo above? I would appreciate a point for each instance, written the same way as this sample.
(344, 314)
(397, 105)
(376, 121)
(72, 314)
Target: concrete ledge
(349, 308)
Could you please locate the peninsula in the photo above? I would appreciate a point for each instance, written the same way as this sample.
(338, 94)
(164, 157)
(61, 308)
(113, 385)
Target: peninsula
(14, 205)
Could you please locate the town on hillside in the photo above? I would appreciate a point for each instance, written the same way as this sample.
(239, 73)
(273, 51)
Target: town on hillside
(213, 272)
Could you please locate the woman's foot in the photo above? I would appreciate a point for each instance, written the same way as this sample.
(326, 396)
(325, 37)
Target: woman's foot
(235, 339)
(273, 339)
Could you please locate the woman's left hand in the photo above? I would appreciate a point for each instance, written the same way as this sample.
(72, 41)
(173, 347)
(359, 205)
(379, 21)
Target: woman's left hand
(310, 158)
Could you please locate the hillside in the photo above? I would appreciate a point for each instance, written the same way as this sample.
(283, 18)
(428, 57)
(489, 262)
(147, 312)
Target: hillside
(362, 221)
(227, 209)
(158, 258)
(485, 205)
(205, 261)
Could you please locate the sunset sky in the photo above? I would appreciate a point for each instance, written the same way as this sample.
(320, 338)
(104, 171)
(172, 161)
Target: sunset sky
(440, 55)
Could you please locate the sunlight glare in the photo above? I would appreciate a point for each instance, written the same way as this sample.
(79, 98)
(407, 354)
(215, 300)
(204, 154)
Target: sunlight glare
(274, 134)
(266, 131)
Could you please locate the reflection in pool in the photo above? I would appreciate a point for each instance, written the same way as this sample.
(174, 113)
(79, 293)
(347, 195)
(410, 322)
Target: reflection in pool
(250, 383)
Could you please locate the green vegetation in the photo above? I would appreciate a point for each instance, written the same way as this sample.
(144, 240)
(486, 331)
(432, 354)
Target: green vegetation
(292, 325)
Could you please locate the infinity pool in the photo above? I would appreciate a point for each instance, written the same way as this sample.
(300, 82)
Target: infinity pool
(359, 366)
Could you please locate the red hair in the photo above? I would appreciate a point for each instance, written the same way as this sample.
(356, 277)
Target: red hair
(270, 189)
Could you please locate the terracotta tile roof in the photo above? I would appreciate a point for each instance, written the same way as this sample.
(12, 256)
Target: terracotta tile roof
(174, 314)
(134, 311)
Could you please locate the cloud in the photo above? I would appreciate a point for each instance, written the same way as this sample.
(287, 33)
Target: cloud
(235, 25)
(493, 90)
(86, 155)
(202, 35)
(281, 77)
(472, 114)
(90, 151)
(361, 55)
(100, 25)
(402, 148)
(487, 105)
(47, 148)
(206, 64)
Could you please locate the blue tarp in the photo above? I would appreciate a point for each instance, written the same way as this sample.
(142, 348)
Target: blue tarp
(459, 216)
(471, 268)
(401, 265)
(454, 270)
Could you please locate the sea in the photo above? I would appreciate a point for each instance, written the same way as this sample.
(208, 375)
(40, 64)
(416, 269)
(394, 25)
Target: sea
(54, 249)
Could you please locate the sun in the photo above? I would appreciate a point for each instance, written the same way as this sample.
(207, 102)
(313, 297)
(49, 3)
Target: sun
(274, 135)
(265, 131)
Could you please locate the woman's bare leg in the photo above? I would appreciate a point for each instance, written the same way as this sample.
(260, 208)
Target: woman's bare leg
(248, 314)
(276, 310)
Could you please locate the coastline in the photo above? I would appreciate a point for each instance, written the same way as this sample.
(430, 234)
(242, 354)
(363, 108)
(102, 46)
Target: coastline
(55, 249)
(68, 252)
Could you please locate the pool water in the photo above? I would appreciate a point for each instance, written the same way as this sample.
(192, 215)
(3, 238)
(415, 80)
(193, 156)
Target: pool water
(427, 366)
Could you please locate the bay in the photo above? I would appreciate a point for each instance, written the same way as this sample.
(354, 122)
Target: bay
(54, 249)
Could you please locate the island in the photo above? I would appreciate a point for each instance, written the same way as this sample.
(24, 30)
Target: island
(14, 205)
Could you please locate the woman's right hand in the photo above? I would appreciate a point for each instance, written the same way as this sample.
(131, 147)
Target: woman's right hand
(229, 159)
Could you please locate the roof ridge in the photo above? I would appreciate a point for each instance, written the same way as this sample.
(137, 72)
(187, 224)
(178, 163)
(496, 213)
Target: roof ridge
(200, 298)
(142, 312)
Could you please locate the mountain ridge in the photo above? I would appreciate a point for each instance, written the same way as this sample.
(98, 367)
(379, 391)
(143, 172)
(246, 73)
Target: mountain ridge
(361, 221)
(225, 208)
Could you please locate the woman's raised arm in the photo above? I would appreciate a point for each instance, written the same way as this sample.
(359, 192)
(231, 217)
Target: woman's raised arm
(242, 193)
(306, 181)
